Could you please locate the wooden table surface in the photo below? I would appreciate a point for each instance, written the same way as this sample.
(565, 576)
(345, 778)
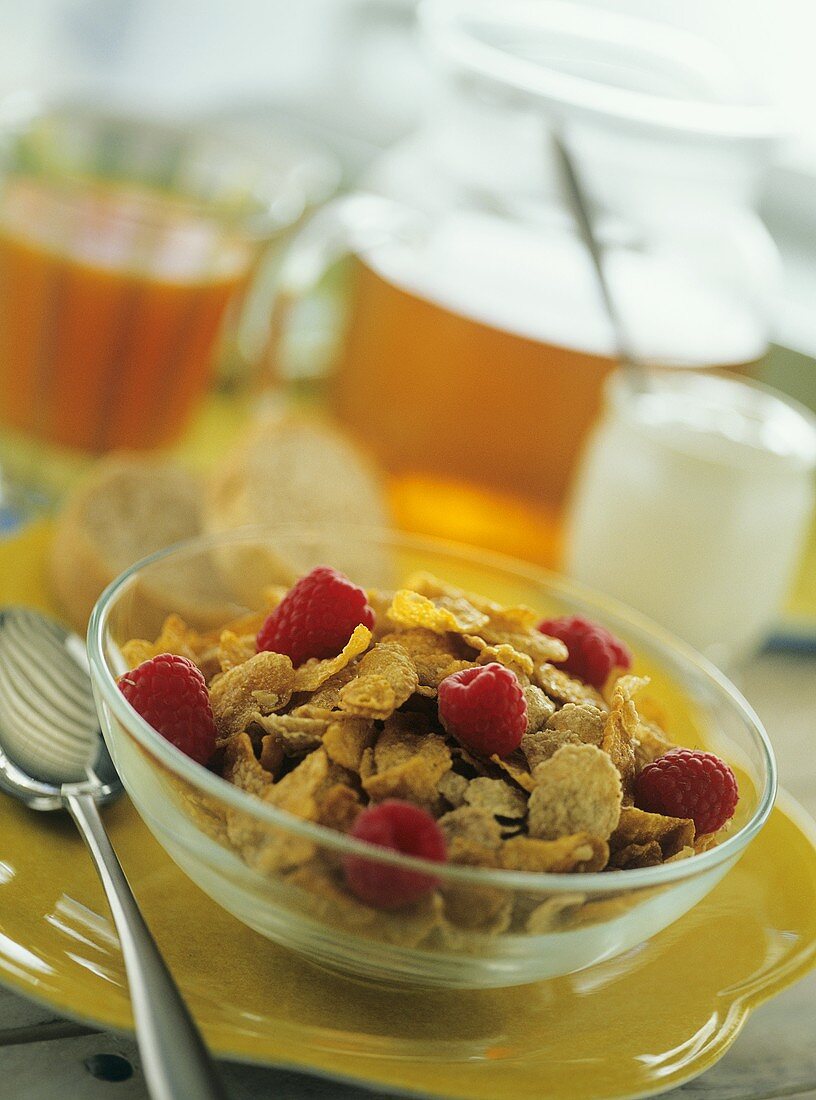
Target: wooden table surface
(46, 1058)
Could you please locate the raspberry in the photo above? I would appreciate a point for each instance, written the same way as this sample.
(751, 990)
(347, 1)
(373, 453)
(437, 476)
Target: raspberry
(171, 694)
(689, 783)
(484, 708)
(404, 828)
(316, 617)
(593, 651)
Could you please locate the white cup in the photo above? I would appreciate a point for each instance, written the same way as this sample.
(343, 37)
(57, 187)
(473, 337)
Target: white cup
(692, 503)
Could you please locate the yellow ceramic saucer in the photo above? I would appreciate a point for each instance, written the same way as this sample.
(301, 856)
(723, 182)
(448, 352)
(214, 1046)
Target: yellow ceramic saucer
(641, 1023)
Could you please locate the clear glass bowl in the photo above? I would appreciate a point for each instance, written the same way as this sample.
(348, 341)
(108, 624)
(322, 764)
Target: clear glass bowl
(501, 928)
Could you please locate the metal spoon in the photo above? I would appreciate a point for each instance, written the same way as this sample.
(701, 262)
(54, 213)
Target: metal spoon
(52, 757)
(633, 365)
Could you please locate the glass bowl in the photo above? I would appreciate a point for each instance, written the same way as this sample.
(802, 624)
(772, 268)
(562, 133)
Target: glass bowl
(482, 927)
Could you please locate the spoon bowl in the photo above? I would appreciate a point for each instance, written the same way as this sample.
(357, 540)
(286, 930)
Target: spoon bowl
(50, 740)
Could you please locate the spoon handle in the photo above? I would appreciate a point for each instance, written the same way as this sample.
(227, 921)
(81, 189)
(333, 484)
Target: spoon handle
(176, 1063)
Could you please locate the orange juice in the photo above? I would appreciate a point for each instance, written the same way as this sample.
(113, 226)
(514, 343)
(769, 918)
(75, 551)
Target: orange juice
(473, 365)
(111, 300)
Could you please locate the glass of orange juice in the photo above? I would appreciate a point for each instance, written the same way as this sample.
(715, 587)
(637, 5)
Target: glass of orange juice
(476, 345)
(126, 250)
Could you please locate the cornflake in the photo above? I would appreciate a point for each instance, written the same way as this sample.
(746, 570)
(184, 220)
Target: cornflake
(265, 681)
(540, 708)
(441, 614)
(234, 649)
(407, 765)
(497, 797)
(386, 679)
(346, 739)
(577, 790)
(672, 834)
(176, 637)
(313, 673)
(434, 656)
(574, 724)
(580, 852)
(565, 689)
(650, 744)
(621, 729)
(503, 654)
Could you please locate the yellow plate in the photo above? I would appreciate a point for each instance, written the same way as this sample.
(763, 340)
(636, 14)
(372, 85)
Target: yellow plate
(640, 1023)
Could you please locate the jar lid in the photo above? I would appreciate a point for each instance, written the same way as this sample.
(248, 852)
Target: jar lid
(585, 64)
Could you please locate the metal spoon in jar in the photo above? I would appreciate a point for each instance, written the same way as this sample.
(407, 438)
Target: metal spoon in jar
(52, 757)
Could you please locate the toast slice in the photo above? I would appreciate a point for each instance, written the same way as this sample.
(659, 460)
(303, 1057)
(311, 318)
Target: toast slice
(298, 471)
(127, 507)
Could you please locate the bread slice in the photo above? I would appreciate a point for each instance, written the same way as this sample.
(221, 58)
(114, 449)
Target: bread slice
(295, 470)
(129, 506)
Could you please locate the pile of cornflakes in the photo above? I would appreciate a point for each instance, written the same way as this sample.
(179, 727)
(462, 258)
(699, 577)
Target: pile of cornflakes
(326, 739)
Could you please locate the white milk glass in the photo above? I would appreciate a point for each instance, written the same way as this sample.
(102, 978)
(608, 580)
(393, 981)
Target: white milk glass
(692, 502)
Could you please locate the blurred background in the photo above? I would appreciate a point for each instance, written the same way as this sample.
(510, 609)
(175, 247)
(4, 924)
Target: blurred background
(356, 206)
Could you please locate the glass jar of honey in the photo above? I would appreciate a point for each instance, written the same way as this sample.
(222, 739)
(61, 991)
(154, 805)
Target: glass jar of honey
(476, 344)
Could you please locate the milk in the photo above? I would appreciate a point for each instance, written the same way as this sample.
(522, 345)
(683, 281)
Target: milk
(691, 505)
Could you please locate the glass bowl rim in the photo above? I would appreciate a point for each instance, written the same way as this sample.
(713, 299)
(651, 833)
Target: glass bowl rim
(620, 387)
(595, 883)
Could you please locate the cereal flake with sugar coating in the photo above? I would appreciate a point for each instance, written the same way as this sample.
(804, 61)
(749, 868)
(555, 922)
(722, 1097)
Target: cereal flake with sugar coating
(578, 853)
(407, 765)
(176, 637)
(452, 787)
(503, 654)
(515, 766)
(621, 730)
(519, 618)
(639, 827)
(338, 806)
(473, 836)
(386, 679)
(296, 735)
(241, 766)
(346, 739)
(573, 724)
(577, 790)
(651, 743)
(297, 791)
(540, 708)
(539, 647)
(234, 649)
(562, 687)
(327, 695)
(442, 614)
(636, 855)
(264, 681)
(314, 673)
(434, 656)
(497, 797)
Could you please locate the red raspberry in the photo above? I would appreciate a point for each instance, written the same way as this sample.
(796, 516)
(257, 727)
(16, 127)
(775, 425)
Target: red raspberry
(404, 828)
(593, 651)
(171, 694)
(689, 783)
(484, 708)
(316, 617)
